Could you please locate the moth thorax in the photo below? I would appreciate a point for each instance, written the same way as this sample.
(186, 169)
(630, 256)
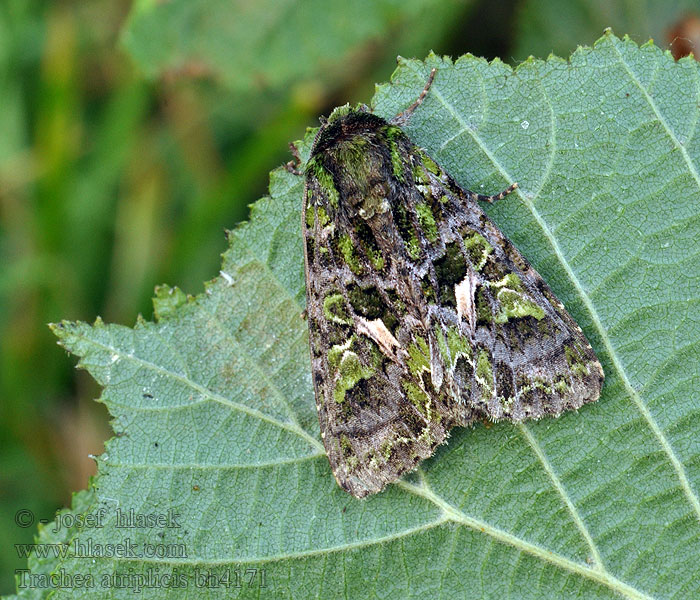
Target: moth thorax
(362, 180)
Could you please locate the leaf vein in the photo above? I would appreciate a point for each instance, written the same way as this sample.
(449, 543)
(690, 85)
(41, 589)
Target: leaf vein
(217, 467)
(454, 514)
(265, 376)
(559, 487)
(293, 428)
(659, 116)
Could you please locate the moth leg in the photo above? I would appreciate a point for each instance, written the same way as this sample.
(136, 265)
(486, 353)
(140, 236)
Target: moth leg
(293, 165)
(492, 199)
(403, 117)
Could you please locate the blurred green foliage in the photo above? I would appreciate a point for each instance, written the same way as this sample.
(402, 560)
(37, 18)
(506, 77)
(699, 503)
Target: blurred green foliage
(131, 136)
(556, 26)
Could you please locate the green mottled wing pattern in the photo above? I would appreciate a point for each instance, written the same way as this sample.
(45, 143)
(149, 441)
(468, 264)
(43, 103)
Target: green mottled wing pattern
(422, 315)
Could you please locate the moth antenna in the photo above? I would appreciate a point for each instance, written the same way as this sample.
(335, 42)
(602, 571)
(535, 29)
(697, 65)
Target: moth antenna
(293, 165)
(495, 197)
(295, 152)
(404, 116)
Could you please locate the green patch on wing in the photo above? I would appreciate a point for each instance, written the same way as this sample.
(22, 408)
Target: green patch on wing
(576, 364)
(419, 357)
(418, 397)
(514, 303)
(452, 345)
(427, 221)
(370, 246)
(397, 166)
(450, 270)
(325, 180)
(478, 249)
(334, 309)
(347, 451)
(368, 303)
(347, 251)
(429, 163)
(316, 212)
(348, 368)
(484, 372)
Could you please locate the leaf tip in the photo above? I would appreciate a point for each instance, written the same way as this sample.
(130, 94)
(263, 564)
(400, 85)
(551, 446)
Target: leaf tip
(62, 329)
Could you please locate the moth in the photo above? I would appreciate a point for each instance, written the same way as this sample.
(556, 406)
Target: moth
(422, 315)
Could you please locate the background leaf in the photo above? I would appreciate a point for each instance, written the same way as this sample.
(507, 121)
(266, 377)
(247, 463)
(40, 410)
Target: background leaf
(271, 44)
(213, 406)
(551, 26)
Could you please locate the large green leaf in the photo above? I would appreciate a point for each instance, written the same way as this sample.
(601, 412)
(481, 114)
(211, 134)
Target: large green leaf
(269, 44)
(213, 405)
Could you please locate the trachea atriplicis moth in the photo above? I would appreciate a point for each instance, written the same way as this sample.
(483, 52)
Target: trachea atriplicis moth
(422, 314)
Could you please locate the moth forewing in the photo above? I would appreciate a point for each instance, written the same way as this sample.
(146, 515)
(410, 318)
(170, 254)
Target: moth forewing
(422, 315)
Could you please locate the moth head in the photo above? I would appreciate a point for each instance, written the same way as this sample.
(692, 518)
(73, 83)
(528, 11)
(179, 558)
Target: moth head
(352, 151)
(344, 111)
